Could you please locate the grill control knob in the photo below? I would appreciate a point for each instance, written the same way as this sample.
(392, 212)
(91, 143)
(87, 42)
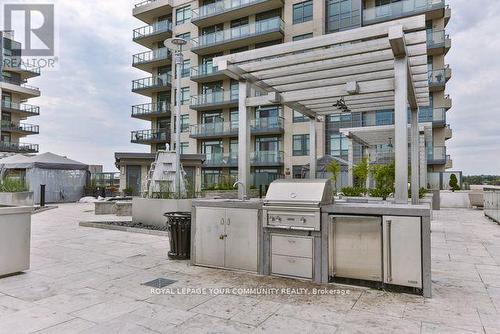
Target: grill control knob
(278, 219)
(303, 220)
(273, 219)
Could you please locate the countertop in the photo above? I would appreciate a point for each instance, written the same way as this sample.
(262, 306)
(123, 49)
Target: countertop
(229, 203)
(379, 209)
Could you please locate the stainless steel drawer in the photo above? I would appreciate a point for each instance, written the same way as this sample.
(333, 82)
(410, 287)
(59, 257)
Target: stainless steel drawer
(292, 246)
(291, 266)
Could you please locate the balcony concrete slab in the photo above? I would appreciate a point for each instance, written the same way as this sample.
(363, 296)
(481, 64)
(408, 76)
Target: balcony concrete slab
(86, 280)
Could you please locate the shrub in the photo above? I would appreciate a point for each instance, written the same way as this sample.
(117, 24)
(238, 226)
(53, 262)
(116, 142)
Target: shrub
(13, 186)
(360, 172)
(454, 182)
(353, 191)
(333, 168)
(384, 176)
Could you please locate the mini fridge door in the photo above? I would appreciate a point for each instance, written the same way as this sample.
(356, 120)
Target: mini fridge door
(355, 247)
(403, 251)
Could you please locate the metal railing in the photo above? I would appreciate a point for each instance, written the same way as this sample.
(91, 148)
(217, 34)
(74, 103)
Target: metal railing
(267, 124)
(217, 97)
(399, 9)
(227, 35)
(214, 129)
(18, 82)
(153, 29)
(18, 147)
(143, 3)
(150, 108)
(439, 77)
(436, 154)
(150, 135)
(17, 62)
(221, 159)
(26, 108)
(220, 7)
(10, 126)
(149, 56)
(436, 38)
(162, 80)
(204, 69)
(267, 157)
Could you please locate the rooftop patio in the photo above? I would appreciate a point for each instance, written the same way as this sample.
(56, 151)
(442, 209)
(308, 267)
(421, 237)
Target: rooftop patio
(89, 280)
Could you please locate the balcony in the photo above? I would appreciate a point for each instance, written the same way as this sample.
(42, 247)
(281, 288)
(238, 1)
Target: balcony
(438, 117)
(258, 32)
(206, 73)
(267, 125)
(19, 87)
(150, 60)
(23, 129)
(214, 130)
(438, 42)
(447, 102)
(149, 86)
(221, 160)
(148, 111)
(267, 158)
(395, 10)
(214, 100)
(448, 132)
(153, 33)
(150, 136)
(227, 10)
(449, 162)
(18, 147)
(439, 78)
(16, 65)
(148, 10)
(25, 110)
(436, 155)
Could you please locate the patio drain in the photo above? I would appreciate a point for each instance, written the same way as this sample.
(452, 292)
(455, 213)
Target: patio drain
(159, 283)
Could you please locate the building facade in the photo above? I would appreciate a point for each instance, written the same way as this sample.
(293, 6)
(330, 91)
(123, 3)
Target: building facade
(280, 135)
(16, 92)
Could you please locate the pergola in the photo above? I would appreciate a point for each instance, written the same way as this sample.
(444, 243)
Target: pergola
(378, 67)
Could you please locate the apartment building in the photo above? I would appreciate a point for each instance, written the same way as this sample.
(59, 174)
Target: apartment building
(280, 135)
(15, 92)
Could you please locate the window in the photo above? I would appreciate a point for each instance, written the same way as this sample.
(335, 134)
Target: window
(186, 67)
(234, 118)
(303, 12)
(211, 177)
(300, 145)
(339, 146)
(343, 15)
(266, 44)
(184, 148)
(185, 97)
(297, 172)
(235, 89)
(299, 118)
(186, 36)
(301, 37)
(242, 49)
(183, 15)
(184, 123)
(384, 117)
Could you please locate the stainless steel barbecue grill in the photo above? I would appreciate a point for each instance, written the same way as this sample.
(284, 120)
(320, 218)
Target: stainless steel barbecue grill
(296, 204)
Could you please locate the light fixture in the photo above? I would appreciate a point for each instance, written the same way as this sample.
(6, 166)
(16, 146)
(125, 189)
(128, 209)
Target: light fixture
(390, 143)
(341, 105)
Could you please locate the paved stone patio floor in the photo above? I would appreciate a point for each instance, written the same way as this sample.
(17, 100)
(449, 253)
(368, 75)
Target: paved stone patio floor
(86, 280)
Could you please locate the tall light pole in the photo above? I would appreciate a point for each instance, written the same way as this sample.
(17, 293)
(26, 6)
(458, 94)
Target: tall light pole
(176, 44)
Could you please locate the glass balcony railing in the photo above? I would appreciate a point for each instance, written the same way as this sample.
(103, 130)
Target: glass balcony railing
(147, 136)
(153, 29)
(149, 56)
(17, 63)
(158, 81)
(21, 107)
(203, 70)
(217, 97)
(227, 35)
(220, 7)
(221, 159)
(267, 157)
(436, 38)
(144, 3)
(214, 129)
(265, 124)
(6, 146)
(18, 82)
(9, 126)
(398, 9)
(439, 77)
(436, 154)
(150, 109)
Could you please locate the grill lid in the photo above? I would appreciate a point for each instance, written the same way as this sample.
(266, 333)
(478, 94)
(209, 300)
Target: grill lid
(318, 191)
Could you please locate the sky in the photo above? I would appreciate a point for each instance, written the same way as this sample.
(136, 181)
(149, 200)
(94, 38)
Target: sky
(86, 102)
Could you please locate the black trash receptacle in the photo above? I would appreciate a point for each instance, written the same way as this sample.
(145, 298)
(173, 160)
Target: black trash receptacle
(179, 228)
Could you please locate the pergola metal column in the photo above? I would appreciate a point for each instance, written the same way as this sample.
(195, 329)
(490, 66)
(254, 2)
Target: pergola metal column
(244, 141)
(313, 153)
(350, 160)
(415, 148)
(423, 160)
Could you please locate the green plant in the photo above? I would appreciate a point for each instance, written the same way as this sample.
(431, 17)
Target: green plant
(360, 172)
(384, 176)
(333, 168)
(10, 185)
(353, 191)
(129, 191)
(421, 192)
(454, 182)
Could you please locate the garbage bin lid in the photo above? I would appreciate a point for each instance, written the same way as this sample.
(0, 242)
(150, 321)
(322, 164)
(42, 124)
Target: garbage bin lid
(177, 214)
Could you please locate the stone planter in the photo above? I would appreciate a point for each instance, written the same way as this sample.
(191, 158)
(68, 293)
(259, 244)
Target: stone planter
(15, 235)
(17, 199)
(151, 211)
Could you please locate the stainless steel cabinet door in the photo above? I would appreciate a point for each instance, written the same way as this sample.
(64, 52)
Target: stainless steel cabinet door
(403, 251)
(242, 239)
(210, 231)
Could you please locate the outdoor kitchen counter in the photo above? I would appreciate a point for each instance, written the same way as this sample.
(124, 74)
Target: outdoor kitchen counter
(378, 209)
(229, 203)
